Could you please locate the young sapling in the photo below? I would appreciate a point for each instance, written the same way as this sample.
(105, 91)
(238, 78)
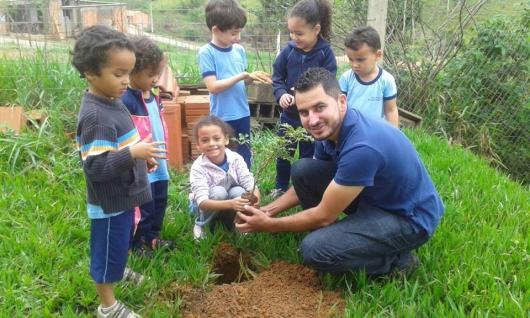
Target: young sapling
(278, 147)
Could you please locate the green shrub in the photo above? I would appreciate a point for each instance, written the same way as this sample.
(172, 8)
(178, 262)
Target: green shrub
(484, 98)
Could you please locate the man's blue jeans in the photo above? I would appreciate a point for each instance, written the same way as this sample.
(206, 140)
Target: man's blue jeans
(224, 217)
(368, 238)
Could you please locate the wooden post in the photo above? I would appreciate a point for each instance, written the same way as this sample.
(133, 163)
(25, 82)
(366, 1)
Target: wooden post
(377, 13)
(57, 18)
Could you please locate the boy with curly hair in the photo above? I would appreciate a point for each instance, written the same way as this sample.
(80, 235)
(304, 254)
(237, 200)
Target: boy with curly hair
(143, 102)
(115, 160)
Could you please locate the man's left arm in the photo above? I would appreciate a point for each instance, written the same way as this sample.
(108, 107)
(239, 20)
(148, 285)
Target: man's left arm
(330, 61)
(335, 200)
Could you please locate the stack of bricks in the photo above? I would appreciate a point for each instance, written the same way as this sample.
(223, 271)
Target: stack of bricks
(195, 107)
(184, 127)
(16, 118)
(173, 116)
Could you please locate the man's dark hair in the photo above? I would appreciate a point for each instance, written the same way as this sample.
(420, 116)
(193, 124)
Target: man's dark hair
(225, 14)
(316, 76)
(362, 35)
(147, 53)
(92, 45)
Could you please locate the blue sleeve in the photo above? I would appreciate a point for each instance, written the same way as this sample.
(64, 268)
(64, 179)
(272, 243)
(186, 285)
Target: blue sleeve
(358, 166)
(279, 75)
(330, 62)
(343, 83)
(390, 90)
(206, 63)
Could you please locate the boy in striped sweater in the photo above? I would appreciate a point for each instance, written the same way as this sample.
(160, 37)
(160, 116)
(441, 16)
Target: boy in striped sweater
(115, 160)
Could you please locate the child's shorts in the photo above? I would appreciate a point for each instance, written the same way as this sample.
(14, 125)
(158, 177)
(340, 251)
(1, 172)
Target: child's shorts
(110, 240)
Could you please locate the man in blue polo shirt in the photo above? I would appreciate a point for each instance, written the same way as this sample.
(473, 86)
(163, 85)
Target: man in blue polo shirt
(364, 167)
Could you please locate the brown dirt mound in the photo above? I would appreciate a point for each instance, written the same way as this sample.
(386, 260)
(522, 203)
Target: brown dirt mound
(284, 290)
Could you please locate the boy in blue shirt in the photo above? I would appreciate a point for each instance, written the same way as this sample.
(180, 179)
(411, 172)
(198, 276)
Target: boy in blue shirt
(223, 65)
(368, 87)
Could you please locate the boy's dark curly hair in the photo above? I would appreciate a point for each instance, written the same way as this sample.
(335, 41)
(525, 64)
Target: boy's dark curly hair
(362, 35)
(225, 14)
(147, 53)
(92, 45)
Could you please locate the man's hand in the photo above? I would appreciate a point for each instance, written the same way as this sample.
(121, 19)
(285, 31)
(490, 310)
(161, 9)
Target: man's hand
(253, 221)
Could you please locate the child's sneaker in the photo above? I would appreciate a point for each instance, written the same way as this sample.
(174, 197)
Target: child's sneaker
(131, 276)
(118, 310)
(198, 232)
(157, 244)
(144, 252)
(276, 193)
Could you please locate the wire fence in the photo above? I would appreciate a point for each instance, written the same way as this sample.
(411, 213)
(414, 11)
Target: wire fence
(466, 77)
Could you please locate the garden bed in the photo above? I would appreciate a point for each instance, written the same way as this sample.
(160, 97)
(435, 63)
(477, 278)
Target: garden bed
(283, 290)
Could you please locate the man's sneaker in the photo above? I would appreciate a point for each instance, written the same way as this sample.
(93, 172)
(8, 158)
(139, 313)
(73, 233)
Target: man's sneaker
(198, 232)
(131, 276)
(144, 252)
(407, 271)
(398, 274)
(158, 244)
(276, 193)
(118, 310)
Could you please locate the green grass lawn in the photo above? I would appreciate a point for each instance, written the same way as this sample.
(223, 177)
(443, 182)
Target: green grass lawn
(476, 264)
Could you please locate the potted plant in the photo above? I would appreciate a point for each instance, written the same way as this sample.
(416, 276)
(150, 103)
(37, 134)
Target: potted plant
(278, 147)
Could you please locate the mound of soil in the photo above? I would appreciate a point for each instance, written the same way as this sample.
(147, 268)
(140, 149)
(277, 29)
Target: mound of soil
(283, 290)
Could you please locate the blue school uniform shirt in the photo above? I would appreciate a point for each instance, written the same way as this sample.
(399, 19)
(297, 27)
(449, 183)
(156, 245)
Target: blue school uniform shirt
(230, 104)
(96, 212)
(368, 97)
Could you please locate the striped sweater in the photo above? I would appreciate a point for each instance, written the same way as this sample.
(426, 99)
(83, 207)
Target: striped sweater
(105, 131)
